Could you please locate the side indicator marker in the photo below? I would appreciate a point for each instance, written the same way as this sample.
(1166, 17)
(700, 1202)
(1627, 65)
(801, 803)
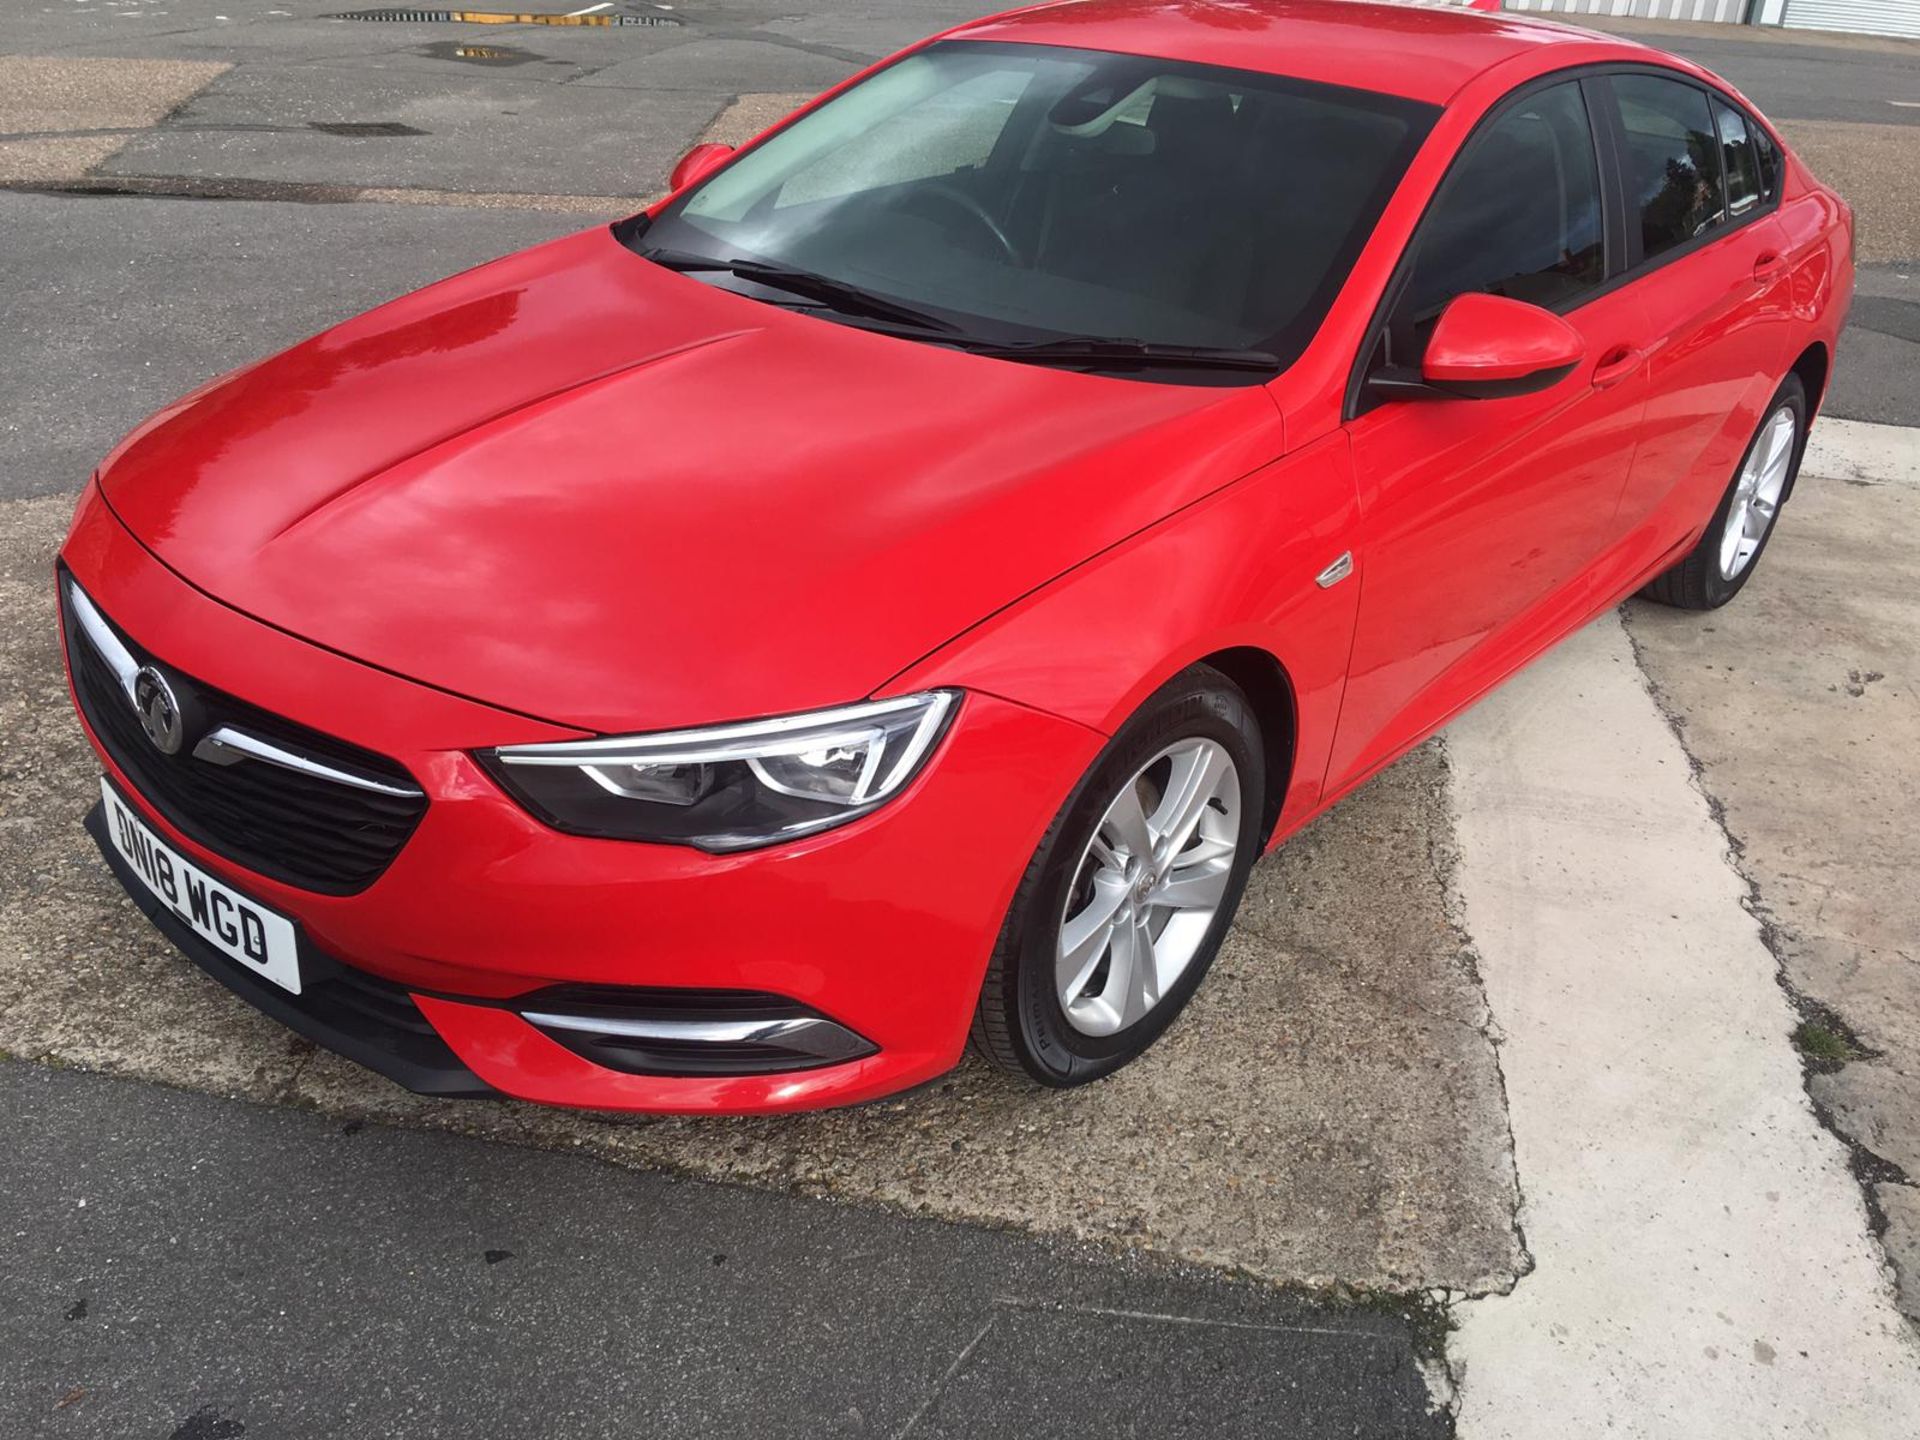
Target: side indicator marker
(1336, 572)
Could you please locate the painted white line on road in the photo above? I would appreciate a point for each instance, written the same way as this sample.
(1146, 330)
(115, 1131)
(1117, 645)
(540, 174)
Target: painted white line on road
(1859, 450)
(1906, 104)
(1702, 1261)
(591, 9)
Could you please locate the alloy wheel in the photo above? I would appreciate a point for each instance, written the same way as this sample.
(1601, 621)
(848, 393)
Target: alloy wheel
(1147, 886)
(1756, 494)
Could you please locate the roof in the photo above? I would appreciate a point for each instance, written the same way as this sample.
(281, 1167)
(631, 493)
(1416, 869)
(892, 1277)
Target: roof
(1420, 51)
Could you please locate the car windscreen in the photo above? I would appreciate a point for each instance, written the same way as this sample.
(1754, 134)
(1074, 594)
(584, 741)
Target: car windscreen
(1024, 194)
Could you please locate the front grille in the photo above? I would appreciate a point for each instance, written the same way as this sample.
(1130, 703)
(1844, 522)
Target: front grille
(302, 829)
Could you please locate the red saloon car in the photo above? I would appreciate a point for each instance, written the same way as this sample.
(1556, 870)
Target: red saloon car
(894, 589)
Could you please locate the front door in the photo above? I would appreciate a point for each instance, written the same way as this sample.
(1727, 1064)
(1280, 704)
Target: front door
(1478, 515)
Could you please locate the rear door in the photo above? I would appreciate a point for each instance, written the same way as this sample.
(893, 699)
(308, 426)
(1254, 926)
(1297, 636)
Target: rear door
(1477, 515)
(1709, 261)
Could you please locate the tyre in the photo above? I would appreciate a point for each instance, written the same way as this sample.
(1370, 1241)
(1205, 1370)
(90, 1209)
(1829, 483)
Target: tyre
(1728, 552)
(1125, 903)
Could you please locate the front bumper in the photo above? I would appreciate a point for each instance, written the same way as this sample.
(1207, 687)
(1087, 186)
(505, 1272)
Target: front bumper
(370, 1021)
(884, 925)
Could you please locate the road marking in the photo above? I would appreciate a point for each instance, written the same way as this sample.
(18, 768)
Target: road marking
(1860, 450)
(1161, 1317)
(1702, 1260)
(1906, 104)
(591, 9)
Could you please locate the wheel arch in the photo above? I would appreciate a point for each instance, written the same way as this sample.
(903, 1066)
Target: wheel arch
(1259, 673)
(1813, 366)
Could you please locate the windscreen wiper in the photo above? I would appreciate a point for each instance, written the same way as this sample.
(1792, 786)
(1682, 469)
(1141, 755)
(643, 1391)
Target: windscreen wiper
(1119, 353)
(834, 294)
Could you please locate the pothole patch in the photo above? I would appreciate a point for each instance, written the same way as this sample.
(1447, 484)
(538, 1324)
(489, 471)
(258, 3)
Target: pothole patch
(363, 129)
(501, 56)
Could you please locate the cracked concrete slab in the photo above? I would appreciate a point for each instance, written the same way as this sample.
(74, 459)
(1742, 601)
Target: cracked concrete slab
(1900, 1204)
(99, 104)
(1703, 1264)
(1801, 704)
(1876, 1103)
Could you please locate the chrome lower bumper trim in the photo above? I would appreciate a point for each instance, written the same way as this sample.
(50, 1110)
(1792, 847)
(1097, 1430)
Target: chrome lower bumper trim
(706, 1044)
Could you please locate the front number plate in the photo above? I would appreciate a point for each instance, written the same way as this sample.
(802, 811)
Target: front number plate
(242, 929)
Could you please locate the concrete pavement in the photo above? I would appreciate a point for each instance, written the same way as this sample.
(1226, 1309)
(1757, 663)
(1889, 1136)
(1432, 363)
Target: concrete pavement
(1702, 1257)
(1798, 703)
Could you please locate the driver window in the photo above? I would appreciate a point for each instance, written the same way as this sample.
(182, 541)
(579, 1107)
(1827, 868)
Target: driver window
(911, 121)
(1519, 215)
(953, 130)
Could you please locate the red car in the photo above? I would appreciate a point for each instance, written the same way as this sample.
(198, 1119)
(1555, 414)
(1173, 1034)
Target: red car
(896, 587)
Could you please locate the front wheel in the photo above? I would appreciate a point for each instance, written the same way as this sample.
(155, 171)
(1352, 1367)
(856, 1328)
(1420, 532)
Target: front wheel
(1130, 894)
(1716, 568)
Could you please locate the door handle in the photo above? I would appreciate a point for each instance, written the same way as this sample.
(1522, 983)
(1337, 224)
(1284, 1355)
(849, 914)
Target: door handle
(1616, 365)
(1769, 267)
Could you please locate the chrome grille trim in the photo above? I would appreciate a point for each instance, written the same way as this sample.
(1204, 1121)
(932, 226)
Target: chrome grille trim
(100, 636)
(228, 746)
(311, 810)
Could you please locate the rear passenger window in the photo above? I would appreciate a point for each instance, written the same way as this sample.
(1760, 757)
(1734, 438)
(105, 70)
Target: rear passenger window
(1741, 158)
(1672, 161)
(1520, 214)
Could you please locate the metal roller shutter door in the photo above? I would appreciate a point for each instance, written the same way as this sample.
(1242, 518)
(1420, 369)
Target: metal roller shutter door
(1727, 11)
(1865, 17)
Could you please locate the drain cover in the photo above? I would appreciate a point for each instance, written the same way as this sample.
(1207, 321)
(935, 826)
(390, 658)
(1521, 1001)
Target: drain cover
(500, 17)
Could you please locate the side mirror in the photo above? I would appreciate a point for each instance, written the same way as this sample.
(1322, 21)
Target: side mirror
(698, 163)
(1486, 347)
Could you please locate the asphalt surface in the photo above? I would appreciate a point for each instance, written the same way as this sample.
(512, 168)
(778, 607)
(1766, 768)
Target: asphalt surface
(1876, 375)
(112, 307)
(178, 1265)
(1800, 75)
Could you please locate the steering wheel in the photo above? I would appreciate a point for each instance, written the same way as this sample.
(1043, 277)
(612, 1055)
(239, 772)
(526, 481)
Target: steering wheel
(960, 200)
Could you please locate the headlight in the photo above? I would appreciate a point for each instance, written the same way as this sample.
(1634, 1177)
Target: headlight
(731, 787)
